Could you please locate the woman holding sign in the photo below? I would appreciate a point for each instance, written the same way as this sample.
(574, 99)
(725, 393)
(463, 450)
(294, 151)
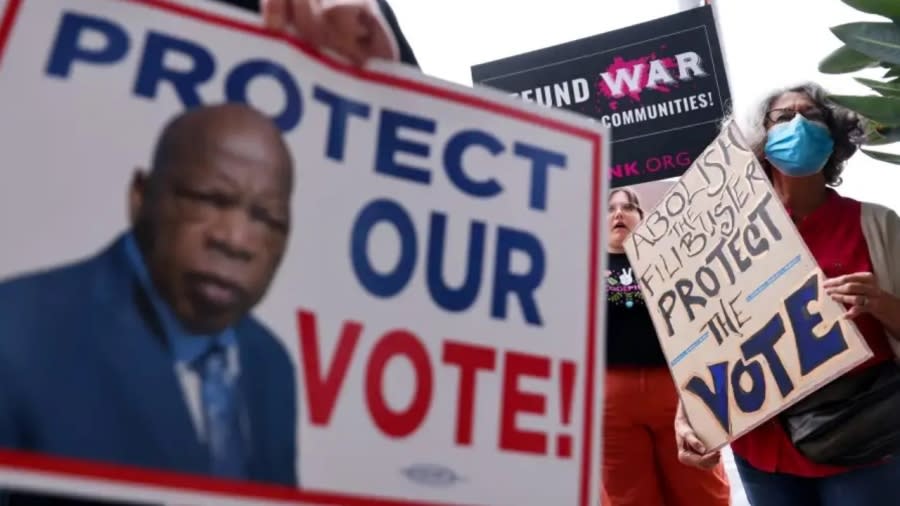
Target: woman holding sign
(831, 448)
(640, 464)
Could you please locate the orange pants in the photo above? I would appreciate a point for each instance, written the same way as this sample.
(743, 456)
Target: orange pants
(640, 458)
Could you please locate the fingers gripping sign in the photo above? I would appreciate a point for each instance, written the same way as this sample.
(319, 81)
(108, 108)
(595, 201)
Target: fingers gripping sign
(354, 29)
(859, 291)
(691, 451)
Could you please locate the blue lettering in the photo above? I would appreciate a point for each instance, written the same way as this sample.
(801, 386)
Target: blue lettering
(67, 48)
(390, 143)
(341, 109)
(812, 350)
(454, 299)
(240, 78)
(152, 70)
(522, 285)
(453, 154)
(749, 400)
(541, 161)
(717, 398)
(763, 343)
(391, 283)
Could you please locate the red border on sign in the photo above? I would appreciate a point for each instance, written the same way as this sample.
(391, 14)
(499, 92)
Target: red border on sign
(244, 490)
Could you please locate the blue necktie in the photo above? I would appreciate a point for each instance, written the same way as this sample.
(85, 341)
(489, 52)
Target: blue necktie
(221, 415)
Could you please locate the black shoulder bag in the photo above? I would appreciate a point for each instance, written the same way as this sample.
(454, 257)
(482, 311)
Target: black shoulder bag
(854, 420)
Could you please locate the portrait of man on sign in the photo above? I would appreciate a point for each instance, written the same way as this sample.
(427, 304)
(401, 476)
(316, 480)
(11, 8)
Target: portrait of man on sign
(146, 355)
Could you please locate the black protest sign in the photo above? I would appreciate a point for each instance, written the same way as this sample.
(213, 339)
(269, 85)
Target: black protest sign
(661, 86)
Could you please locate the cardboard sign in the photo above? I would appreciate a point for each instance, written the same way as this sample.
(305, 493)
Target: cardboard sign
(661, 87)
(436, 296)
(736, 297)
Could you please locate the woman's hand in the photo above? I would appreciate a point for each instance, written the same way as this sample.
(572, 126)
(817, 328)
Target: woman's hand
(691, 451)
(861, 292)
(355, 29)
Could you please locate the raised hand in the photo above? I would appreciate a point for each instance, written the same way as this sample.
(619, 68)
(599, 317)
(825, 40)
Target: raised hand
(354, 29)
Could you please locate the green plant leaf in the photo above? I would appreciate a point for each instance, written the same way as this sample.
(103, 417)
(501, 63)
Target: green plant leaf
(887, 8)
(875, 134)
(843, 60)
(883, 110)
(882, 136)
(882, 156)
(888, 89)
(880, 41)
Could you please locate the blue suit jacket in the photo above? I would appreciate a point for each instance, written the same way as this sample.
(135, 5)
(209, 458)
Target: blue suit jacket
(85, 373)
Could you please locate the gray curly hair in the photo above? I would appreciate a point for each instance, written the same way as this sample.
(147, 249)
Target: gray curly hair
(846, 127)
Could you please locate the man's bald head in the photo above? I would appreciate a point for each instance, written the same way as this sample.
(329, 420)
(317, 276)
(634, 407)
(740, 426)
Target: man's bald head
(200, 131)
(213, 215)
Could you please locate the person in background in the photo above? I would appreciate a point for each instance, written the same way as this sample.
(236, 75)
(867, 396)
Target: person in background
(803, 142)
(640, 461)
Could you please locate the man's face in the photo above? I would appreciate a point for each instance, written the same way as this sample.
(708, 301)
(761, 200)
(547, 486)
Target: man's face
(219, 226)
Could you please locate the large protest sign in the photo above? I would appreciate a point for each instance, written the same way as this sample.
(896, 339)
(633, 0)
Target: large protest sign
(436, 295)
(736, 297)
(661, 86)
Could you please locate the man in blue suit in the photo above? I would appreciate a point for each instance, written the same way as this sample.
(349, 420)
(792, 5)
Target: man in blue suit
(145, 355)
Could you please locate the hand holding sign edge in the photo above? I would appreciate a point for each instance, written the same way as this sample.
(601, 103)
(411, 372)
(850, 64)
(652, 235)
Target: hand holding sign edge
(691, 451)
(354, 29)
(862, 293)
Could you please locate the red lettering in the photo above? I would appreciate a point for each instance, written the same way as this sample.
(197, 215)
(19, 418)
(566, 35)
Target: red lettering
(323, 380)
(566, 392)
(322, 392)
(515, 401)
(404, 422)
(624, 170)
(665, 162)
(470, 359)
(668, 163)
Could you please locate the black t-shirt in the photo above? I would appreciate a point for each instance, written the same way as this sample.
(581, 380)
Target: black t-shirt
(630, 336)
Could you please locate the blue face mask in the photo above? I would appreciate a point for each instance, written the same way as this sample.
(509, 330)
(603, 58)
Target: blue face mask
(800, 147)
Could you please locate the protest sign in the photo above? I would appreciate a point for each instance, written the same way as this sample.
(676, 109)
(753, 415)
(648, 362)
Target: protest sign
(435, 297)
(736, 297)
(661, 86)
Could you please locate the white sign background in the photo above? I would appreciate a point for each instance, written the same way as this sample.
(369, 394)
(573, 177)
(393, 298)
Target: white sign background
(69, 148)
